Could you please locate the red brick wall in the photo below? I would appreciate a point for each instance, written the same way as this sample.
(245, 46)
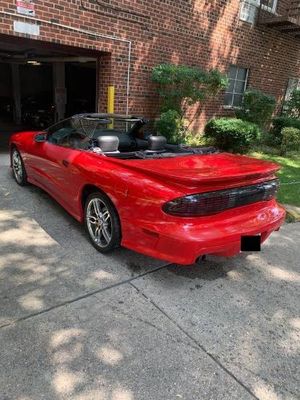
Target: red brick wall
(205, 33)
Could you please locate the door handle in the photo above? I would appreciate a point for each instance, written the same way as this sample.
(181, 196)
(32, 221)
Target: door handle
(65, 163)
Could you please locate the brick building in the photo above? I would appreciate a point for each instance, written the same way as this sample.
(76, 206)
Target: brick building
(254, 41)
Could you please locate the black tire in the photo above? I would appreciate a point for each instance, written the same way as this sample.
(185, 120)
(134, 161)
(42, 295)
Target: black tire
(97, 232)
(18, 167)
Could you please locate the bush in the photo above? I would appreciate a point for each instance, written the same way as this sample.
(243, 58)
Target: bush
(293, 104)
(290, 140)
(181, 86)
(232, 134)
(170, 125)
(278, 123)
(257, 107)
(195, 139)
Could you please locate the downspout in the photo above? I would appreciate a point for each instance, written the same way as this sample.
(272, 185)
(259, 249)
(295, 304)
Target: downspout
(86, 32)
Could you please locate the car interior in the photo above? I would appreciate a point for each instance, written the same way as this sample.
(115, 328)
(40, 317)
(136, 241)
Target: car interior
(124, 137)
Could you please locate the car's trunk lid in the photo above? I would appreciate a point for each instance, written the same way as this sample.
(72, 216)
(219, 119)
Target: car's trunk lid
(204, 171)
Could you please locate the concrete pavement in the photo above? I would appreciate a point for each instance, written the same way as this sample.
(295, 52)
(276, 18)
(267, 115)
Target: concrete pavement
(75, 324)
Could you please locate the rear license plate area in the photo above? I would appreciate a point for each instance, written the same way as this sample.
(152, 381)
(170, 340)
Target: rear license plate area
(251, 243)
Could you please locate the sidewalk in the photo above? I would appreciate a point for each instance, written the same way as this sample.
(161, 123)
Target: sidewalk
(78, 325)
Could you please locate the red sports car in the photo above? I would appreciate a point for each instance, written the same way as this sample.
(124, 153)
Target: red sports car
(172, 202)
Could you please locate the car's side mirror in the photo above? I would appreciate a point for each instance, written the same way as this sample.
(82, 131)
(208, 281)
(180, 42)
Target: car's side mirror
(40, 137)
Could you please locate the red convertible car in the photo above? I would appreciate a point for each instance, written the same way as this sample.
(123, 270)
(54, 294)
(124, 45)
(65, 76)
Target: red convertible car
(172, 202)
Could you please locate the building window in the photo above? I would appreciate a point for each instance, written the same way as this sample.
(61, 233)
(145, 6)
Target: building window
(269, 5)
(249, 9)
(293, 84)
(237, 86)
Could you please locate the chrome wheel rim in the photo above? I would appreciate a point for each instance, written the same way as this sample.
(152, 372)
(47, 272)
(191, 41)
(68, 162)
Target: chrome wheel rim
(17, 166)
(99, 222)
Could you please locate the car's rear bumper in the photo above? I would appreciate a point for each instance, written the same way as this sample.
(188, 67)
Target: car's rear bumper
(183, 241)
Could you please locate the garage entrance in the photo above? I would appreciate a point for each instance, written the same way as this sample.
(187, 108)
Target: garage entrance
(42, 83)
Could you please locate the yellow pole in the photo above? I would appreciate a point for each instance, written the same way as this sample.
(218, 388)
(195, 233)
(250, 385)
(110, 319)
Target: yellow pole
(111, 102)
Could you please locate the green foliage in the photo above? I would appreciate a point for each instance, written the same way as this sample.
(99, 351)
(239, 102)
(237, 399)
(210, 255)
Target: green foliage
(195, 139)
(293, 104)
(232, 134)
(171, 126)
(289, 192)
(181, 86)
(290, 140)
(278, 123)
(257, 107)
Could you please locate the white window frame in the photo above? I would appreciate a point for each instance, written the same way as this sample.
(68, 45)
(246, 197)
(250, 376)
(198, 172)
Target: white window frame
(248, 5)
(231, 106)
(293, 83)
(271, 9)
(258, 2)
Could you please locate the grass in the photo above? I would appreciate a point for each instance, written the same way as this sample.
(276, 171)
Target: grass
(289, 175)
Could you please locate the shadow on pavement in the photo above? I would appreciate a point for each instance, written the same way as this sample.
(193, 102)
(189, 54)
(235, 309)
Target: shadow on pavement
(243, 311)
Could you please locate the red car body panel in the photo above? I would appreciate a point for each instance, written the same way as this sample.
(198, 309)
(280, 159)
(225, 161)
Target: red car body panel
(139, 188)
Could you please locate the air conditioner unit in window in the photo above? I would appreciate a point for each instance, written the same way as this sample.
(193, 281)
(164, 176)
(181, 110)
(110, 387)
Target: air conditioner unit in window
(248, 11)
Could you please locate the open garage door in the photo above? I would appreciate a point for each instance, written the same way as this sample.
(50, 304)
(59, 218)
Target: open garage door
(42, 83)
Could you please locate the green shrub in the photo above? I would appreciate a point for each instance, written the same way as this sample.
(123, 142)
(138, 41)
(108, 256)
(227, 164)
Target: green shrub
(181, 86)
(257, 107)
(170, 125)
(290, 140)
(232, 134)
(278, 123)
(292, 106)
(195, 139)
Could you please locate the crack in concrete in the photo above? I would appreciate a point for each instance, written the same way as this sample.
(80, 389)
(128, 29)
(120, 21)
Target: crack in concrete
(199, 345)
(78, 298)
(167, 334)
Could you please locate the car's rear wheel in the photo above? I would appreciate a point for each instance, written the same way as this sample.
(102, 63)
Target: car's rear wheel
(102, 223)
(18, 168)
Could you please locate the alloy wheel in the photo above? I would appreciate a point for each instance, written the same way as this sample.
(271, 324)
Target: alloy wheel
(17, 166)
(99, 224)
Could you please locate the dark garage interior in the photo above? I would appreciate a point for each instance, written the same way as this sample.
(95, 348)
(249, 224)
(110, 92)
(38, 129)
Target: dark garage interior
(42, 84)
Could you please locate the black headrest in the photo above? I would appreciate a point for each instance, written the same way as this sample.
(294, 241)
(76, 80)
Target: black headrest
(157, 143)
(108, 144)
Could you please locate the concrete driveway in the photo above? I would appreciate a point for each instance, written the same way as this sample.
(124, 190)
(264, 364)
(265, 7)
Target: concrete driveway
(75, 324)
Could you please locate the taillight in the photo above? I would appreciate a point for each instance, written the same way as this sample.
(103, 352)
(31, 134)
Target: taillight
(214, 202)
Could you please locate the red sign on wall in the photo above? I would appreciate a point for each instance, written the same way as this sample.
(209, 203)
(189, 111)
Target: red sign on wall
(26, 7)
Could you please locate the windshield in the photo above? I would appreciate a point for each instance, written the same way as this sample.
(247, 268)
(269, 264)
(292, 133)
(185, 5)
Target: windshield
(94, 124)
(91, 126)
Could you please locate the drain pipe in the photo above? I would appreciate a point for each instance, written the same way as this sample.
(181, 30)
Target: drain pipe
(86, 32)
